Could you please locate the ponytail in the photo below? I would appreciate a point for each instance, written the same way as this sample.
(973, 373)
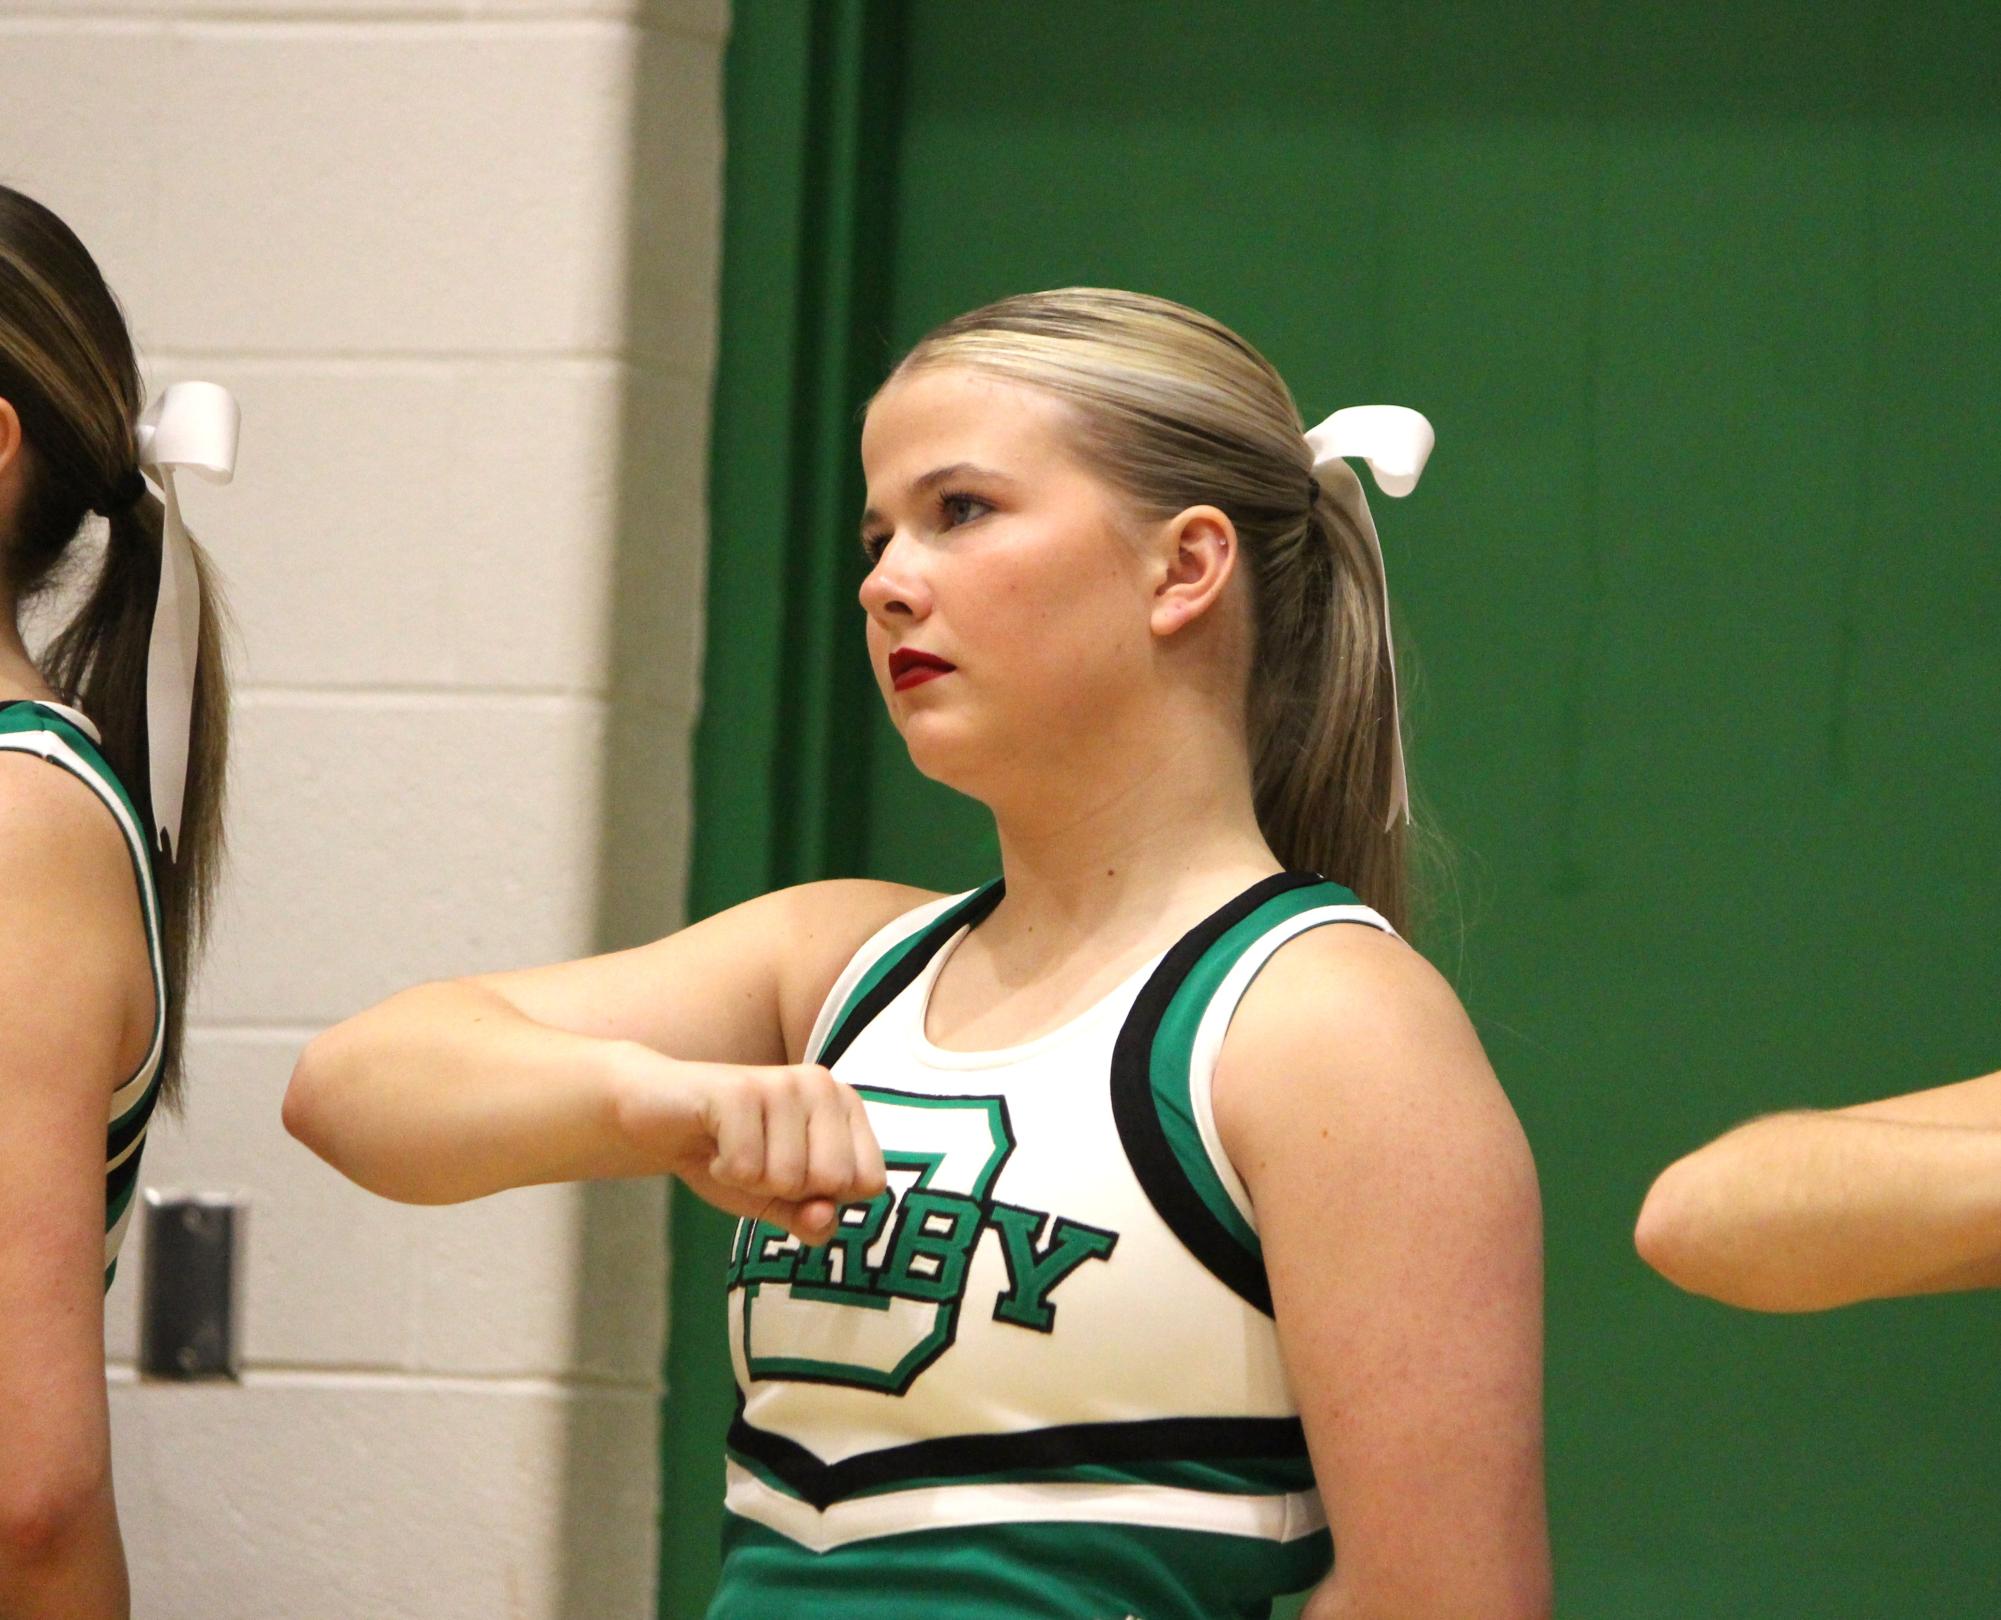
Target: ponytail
(100, 656)
(1322, 746)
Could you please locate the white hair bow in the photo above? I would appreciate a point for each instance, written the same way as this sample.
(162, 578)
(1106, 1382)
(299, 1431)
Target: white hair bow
(1395, 441)
(192, 425)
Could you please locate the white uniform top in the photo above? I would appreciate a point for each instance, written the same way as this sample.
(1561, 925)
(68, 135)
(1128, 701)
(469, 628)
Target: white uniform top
(1044, 1361)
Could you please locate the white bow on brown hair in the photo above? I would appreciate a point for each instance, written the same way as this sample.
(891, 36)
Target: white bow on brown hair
(1395, 441)
(192, 426)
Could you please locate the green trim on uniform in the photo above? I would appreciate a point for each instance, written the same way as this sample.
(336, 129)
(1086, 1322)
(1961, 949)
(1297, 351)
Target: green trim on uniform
(1048, 1569)
(27, 715)
(887, 963)
(1172, 1060)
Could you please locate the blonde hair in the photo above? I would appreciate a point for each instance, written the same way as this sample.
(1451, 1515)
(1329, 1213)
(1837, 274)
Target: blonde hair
(1175, 410)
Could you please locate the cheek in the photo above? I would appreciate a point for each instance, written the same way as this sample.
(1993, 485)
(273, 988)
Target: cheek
(1083, 624)
(875, 647)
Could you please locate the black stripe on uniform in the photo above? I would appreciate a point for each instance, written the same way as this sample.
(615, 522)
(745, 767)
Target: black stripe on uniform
(970, 913)
(118, 1182)
(119, 1138)
(1141, 1132)
(1069, 1445)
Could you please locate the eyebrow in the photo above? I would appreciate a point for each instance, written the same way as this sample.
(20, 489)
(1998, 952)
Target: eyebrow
(935, 477)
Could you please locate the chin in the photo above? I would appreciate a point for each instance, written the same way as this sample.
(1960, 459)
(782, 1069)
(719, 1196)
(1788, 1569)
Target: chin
(947, 755)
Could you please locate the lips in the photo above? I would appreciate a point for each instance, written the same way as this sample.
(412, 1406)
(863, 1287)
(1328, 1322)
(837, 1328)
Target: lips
(910, 667)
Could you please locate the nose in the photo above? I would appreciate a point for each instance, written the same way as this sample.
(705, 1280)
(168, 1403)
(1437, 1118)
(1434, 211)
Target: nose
(895, 590)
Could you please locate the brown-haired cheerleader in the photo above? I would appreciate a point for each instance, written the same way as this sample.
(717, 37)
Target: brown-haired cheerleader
(111, 765)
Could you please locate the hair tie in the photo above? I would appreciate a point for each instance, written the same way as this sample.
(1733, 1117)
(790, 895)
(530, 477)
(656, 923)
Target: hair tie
(1394, 440)
(126, 492)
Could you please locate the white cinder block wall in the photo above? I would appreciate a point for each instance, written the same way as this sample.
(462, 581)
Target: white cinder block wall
(458, 262)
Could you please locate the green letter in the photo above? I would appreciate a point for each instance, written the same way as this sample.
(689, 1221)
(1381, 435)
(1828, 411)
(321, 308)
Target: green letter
(760, 1265)
(948, 1246)
(854, 1230)
(1033, 1273)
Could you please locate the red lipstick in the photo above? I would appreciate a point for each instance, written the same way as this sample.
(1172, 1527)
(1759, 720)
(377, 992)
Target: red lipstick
(909, 667)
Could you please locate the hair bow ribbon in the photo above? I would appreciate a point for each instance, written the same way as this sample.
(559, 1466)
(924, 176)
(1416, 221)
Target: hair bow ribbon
(1396, 442)
(191, 426)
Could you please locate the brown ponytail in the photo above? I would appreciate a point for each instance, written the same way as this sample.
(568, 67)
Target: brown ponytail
(1178, 411)
(68, 368)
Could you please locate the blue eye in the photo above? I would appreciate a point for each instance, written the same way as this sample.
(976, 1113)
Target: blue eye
(955, 507)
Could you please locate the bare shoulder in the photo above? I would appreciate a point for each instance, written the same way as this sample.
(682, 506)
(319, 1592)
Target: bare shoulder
(57, 841)
(1350, 1023)
(72, 913)
(1356, 1000)
(823, 925)
(843, 913)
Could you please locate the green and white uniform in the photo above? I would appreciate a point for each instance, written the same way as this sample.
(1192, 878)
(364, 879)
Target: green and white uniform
(66, 739)
(1039, 1375)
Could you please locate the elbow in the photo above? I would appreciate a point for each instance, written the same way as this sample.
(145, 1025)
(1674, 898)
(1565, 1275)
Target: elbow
(318, 1113)
(342, 1122)
(50, 1510)
(306, 1111)
(1676, 1236)
(1687, 1235)
(1667, 1234)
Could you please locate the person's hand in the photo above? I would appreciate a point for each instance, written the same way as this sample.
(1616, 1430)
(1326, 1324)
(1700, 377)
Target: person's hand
(787, 1144)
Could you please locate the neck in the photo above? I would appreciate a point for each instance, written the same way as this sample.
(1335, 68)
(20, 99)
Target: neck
(19, 678)
(1161, 837)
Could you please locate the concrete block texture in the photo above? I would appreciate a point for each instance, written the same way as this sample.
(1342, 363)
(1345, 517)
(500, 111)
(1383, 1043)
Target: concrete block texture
(61, 76)
(456, 523)
(315, 1497)
(347, 187)
(703, 19)
(359, 187)
(380, 841)
(438, 188)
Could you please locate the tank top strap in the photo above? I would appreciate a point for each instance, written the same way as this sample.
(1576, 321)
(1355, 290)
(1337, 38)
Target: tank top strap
(889, 963)
(1165, 1060)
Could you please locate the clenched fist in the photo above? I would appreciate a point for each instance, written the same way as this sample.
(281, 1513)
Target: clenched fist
(786, 1144)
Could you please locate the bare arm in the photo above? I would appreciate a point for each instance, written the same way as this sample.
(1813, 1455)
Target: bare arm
(70, 947)
(1805, 1211)
(670, 1058)
(1402, 1232)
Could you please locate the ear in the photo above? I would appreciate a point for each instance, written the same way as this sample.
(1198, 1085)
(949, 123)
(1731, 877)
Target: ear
(1198, 552)
(11, 461)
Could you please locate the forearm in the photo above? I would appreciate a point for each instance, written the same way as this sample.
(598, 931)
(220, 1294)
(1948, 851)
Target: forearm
(446, 1092)
(1807, 1211)
(65, 1565)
